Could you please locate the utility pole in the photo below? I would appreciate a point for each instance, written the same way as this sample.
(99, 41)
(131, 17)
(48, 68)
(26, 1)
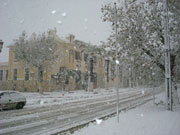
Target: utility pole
(167, 58)
(117, 62)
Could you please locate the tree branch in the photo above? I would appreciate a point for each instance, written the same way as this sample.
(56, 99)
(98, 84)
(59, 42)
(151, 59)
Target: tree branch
(161, 66)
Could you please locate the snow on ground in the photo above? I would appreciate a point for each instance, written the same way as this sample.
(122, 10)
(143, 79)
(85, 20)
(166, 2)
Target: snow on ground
(148, 119)
(51, 98)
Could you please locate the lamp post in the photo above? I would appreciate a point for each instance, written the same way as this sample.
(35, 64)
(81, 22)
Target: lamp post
(117, 62)
(167, 58)
(1, 45)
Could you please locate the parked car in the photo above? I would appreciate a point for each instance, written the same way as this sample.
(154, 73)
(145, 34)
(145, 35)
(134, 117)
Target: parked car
(11, 100)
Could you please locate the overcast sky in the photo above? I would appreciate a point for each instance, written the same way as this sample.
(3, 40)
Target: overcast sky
(79, 17)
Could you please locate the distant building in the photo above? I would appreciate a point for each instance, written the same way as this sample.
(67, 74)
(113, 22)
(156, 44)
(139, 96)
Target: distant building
(74, 54)
(69, 72)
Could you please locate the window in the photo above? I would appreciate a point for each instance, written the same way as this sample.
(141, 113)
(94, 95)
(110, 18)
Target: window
(15, 58)
(27, 74)
(5, 95)
(85, 57)
(1, 74)
(100, 62)
(95, 77)
(91, 68)
(14, 94)
(86, 77)
(78, 76)
(72, 54)
(77, 55)
(40, 74)
(94, 59)
(15, 74)
(6, 74)
(113, 71)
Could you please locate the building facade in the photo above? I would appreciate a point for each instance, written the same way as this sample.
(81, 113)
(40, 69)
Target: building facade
(69, 72)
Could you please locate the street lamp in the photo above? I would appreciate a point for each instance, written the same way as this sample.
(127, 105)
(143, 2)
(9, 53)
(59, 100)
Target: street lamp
(1, 45)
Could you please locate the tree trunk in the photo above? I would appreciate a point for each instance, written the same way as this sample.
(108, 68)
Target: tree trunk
(172, 58)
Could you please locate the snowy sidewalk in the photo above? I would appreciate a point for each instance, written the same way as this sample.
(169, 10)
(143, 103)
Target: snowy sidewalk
(148, 119)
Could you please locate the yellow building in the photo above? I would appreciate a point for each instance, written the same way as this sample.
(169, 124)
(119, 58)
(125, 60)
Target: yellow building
(3, 75)
(73, 56)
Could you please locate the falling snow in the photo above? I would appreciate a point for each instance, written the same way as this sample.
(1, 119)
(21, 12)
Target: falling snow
(22, 21)
(53, 12)
(50, 49)
(41, 102)
(85, 20)
(85, 28)
(5, 4)
(98, 121)
(142, 92)
(117, 61)
(94, 32)
(64, 14)
(59, 22)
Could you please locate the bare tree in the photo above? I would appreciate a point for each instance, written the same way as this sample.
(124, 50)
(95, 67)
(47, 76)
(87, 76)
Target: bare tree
(38, 52)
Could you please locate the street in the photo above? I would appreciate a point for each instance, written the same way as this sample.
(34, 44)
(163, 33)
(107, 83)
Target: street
(52, 119)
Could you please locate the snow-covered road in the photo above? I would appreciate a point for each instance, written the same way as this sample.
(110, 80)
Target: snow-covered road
(51, 116)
